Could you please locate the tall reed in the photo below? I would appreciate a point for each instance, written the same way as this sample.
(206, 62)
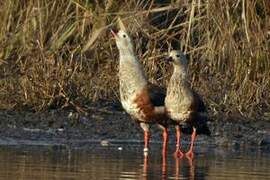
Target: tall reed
(56, 54)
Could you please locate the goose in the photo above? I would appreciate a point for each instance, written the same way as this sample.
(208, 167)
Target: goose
(142, 100)
(183, 105)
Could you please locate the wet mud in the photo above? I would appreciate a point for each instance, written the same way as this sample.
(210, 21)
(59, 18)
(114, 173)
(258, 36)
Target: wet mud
(107, 123)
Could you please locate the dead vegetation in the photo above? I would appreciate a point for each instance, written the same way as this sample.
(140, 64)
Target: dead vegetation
(56, 54)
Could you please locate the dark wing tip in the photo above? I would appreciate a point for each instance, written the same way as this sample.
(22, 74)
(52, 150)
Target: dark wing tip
(157, 95)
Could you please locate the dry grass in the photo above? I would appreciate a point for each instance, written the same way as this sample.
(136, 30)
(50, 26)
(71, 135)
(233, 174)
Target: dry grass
(56, 54)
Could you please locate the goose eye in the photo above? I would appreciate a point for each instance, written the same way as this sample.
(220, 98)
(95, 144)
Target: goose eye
(177, 55)
(124, 36)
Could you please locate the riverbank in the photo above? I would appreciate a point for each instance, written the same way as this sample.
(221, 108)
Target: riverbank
(108, 123)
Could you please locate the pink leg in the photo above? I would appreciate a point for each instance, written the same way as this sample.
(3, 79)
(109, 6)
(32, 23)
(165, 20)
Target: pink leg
(146, 141)
(178, 152)
(165, 141)
(190, 151)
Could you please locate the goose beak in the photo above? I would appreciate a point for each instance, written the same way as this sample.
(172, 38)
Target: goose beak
(114, 32)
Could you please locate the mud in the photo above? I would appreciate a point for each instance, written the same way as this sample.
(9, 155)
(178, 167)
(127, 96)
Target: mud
(107, 123)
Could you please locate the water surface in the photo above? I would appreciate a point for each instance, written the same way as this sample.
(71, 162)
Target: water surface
(128, 162)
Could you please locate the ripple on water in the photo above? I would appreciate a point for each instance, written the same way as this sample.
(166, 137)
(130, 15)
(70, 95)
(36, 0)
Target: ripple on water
(99, 162)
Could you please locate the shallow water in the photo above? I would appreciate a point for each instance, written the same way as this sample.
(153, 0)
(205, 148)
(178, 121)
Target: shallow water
(112, 162)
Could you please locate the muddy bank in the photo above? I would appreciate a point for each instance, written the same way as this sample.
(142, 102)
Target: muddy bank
(109, 123)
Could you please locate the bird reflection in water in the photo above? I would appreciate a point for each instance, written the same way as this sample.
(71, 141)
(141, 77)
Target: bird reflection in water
(163, 168)
(190, 170)
(164, 164)
(184, 167)
(145, 166)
